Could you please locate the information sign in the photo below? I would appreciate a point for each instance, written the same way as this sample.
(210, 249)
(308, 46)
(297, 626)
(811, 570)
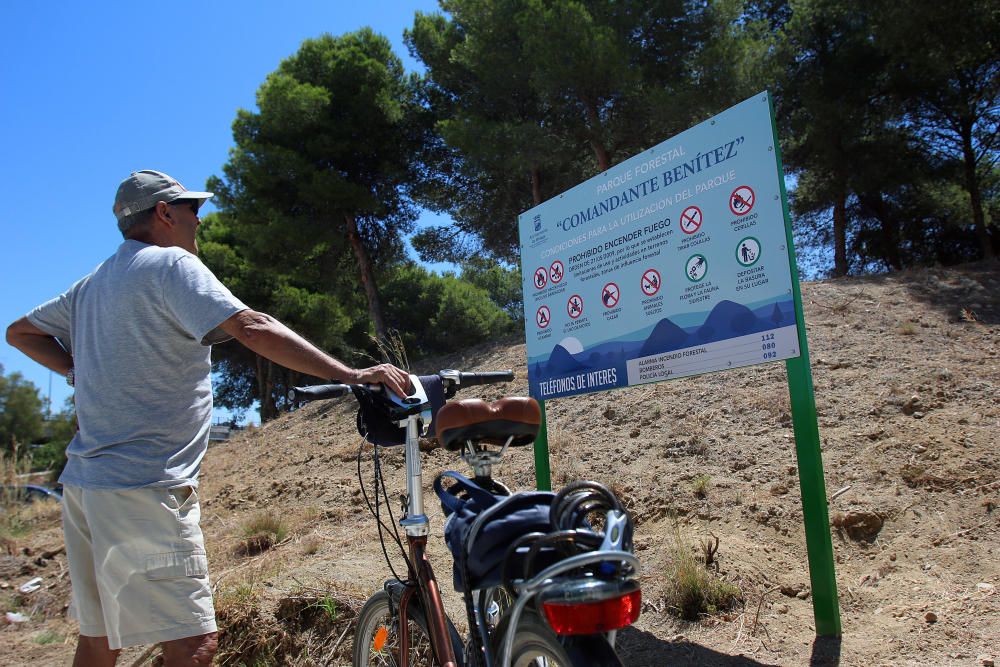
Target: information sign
(693, 232)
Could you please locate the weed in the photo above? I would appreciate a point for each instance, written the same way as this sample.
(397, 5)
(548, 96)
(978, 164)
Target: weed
(907, 328)
(709, 547)
(700, 485)
(261, 532)
(49, 637)
(311, 545)
(328, 606)
(693, 591)
(968, 315)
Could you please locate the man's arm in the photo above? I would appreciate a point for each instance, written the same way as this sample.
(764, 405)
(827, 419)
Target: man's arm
(40, 346)
(273, 340)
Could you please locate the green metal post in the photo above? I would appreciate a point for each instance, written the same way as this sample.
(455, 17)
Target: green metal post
(542, 477)
(822, 574)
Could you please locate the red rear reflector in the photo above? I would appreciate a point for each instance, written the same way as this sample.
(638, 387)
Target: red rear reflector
(587, 618)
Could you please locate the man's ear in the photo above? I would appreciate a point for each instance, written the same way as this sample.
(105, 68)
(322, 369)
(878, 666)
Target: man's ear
(163, 211)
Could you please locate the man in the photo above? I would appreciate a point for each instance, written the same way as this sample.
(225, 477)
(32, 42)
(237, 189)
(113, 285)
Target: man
(134, 338)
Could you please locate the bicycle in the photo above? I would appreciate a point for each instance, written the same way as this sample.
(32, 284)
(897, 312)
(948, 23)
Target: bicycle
(554, 595)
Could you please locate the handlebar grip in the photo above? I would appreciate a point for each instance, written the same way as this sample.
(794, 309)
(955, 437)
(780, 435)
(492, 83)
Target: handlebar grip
(317, 392)
(485, 377)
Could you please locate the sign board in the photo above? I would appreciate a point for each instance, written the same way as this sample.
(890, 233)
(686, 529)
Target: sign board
(672, 263)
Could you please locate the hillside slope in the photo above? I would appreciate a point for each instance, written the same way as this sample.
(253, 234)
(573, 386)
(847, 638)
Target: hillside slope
(906, 370)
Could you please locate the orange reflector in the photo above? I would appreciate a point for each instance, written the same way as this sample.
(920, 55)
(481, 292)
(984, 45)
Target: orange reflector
(380, 636)
(586, 618)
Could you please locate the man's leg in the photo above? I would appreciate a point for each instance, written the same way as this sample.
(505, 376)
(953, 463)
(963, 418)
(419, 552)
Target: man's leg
(94, 652)
(195, 651)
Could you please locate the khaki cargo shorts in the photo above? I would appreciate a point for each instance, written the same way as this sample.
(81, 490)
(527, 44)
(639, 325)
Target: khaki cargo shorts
(137, 564)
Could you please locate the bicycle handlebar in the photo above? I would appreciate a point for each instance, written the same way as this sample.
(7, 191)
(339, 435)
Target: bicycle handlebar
(317, 392)
(484, 377)
(452, 379)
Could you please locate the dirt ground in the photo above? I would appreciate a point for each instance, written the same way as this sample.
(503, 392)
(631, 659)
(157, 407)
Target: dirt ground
(906, 369)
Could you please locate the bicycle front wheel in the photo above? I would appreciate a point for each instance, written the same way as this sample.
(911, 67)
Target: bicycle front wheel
(377, 637)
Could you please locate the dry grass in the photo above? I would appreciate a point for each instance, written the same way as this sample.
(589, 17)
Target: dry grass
(692, 590)
(309, 627)
(261, 532)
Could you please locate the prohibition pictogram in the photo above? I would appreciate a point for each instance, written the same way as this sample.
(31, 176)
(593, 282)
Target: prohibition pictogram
(543, 317)
(556, 272)
(691, 219)
(574, 306)
(696, 268)
(742, 200)
(650, 282)
(541, 277)
(610, 295)
(748, 251)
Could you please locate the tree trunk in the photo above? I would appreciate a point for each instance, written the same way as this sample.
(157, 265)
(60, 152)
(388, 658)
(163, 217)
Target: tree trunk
(536, 186)
(840, 236)
(889, 228)
(265, 389)
(366, 275)
(603, 157)
(972, 186)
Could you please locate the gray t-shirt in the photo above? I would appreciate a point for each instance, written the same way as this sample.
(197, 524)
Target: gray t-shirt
(140, 328)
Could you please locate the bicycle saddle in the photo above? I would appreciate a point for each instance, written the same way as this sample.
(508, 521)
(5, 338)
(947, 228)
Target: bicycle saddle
(475, 419)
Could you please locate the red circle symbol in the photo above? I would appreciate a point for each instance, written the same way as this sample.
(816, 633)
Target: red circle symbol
(650, 282)
(691, 220)
(742, 200)
(610, 295)
(574, 306)
(542, 317)
(541, 277)
(556, 272)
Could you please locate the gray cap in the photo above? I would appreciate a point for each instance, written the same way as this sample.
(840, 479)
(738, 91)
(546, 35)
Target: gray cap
(143, 189)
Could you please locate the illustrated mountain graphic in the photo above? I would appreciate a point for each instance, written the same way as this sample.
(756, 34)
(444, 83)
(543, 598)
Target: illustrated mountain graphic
(561, 361)
(664, 337)
(727, 319)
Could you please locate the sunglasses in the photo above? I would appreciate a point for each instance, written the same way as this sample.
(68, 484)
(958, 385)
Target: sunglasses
(188, 203)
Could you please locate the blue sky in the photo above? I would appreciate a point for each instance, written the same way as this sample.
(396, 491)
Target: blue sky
(90, 92)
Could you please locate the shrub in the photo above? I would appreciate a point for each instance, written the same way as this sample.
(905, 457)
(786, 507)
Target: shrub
(693, 590)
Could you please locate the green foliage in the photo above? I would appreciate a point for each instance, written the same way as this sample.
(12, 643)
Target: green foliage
(435, 314)
(534, 96)
(50, 451)
(20, 411)
(500, 282)
(314, 204)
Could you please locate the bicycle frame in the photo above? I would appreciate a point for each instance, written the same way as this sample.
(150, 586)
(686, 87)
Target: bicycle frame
(587, 641)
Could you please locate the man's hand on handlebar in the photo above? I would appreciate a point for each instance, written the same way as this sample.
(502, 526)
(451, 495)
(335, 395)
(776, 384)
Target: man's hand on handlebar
(395, 380)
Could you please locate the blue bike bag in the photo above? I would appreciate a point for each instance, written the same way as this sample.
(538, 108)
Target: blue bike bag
(481, 525)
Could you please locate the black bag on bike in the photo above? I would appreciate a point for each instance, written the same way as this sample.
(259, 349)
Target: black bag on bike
(377, 426)
(482, 525)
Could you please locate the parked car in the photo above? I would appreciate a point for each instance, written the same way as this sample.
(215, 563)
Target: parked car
(28, 493)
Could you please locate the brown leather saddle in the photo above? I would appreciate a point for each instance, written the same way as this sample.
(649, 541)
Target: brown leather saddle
(474, 419)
